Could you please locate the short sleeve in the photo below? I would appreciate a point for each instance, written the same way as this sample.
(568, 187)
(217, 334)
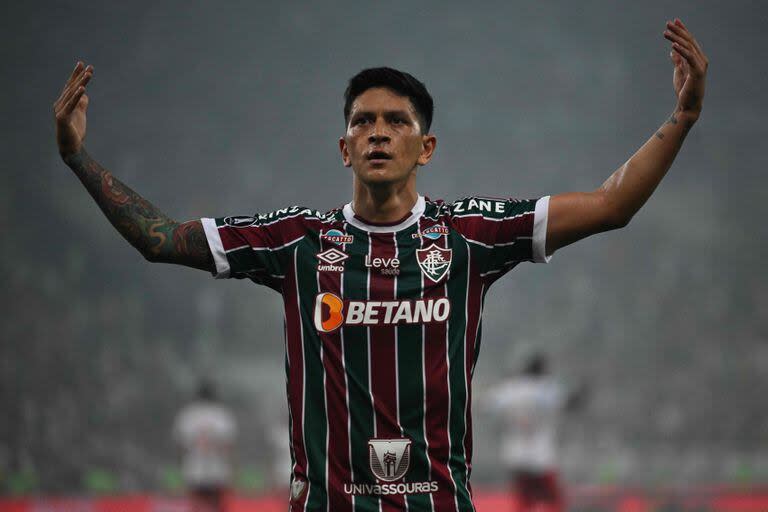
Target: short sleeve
(256, 247)
(504, 232)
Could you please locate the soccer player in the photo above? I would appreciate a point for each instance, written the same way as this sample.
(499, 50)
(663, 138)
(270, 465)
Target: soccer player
(383, 297)
(530, 406)
(206, 430)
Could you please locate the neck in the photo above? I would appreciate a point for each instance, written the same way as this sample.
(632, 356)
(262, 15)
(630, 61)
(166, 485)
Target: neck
(388, 203)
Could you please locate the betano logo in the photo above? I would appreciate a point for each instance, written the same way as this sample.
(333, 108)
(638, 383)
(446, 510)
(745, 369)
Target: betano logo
(330, 311)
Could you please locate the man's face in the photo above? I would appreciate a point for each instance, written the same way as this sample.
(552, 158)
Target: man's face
(384, 141)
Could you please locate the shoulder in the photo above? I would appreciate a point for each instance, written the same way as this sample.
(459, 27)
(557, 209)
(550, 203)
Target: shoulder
(491, 207)
(290, 213)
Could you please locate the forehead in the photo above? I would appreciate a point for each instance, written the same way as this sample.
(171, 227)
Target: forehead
(378, 99)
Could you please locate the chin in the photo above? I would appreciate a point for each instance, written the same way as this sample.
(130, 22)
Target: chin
(377, 181)
(377, 176)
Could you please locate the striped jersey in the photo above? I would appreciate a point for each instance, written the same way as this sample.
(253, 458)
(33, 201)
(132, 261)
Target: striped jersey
(382, 333)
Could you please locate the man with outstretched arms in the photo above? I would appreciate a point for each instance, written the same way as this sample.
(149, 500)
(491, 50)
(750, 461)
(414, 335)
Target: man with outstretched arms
(383, 297)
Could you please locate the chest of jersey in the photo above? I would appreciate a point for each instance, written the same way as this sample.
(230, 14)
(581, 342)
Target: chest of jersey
(380, 279)
(383, 266)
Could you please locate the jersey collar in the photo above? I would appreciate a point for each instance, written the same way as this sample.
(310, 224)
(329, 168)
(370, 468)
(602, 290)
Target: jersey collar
(360, 223)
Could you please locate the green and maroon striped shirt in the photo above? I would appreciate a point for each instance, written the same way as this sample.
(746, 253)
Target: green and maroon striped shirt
(382, 333)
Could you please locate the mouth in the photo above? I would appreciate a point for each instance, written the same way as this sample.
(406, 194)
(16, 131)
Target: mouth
(378, 156)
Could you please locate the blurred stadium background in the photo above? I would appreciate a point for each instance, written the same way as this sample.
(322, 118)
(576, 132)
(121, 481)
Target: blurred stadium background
(212, 109)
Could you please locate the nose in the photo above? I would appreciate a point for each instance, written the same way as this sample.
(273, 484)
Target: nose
(379, 133)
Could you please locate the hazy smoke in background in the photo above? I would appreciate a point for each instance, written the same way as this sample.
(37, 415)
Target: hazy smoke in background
(210, 110)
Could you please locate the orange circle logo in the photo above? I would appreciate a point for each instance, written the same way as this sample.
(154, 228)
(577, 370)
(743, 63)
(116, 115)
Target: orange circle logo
(328, 312)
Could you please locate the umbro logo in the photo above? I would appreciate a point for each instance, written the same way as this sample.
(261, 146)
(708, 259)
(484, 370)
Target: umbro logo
(332, 259)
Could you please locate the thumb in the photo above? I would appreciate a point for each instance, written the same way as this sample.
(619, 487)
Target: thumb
(82, 104)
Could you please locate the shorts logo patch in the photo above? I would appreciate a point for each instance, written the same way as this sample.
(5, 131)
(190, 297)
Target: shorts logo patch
(434, 262)
(297, 488)
(389, 459)
(239, 221)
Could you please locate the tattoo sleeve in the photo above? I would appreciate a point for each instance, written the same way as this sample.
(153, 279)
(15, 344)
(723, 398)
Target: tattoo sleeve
(157, 237)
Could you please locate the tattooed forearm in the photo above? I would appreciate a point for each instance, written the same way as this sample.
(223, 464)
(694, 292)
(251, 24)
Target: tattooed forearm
(673, 121)
(143, 225)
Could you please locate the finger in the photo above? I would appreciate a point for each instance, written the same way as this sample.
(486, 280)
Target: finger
(72, 83)
(677, 39)
(66, 104)
(680, 31)
(72, 103)
(679, 34)
(75, 71)
(83, 80)
(77, 75)
(677, 60)
(686, 53)
(679, 26)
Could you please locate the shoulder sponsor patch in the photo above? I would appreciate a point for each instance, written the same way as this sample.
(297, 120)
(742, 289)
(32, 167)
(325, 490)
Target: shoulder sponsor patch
(432, 232)
(240, 221)
(336, 236)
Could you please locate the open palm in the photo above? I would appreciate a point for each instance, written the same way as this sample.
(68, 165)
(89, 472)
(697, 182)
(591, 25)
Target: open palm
(70, 109)
(691, 65)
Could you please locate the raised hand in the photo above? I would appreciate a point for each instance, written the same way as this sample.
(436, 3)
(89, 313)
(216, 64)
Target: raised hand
(69, 111)
(690, 72)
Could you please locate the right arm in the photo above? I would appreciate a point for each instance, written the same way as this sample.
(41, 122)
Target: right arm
(157, 237)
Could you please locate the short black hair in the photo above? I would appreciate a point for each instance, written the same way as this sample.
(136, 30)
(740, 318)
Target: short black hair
(206, 390)
(537, 365)
(399, 82)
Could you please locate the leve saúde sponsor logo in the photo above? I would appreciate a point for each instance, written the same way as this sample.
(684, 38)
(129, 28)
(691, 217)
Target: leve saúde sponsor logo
(331, 312)
(385, 266)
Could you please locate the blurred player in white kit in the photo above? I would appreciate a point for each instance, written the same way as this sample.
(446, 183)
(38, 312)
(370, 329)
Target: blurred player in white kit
(531, 406)
(206, 431)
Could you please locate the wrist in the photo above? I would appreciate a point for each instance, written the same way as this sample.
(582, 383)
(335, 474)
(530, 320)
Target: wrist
(687, 117)
(72, 156)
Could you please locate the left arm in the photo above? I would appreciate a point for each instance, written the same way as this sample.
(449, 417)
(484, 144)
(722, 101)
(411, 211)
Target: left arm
(576, 215)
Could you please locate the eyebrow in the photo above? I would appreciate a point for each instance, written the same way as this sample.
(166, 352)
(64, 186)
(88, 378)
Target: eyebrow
(370, 113)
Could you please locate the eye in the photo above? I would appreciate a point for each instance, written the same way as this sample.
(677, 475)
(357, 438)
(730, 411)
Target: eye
(398, 120)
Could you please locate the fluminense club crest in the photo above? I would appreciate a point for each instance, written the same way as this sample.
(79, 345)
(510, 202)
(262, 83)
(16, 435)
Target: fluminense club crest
(434, 261)
(389, 458)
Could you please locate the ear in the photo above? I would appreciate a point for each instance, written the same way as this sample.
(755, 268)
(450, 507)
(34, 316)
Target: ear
(428, 144)
(344, 152)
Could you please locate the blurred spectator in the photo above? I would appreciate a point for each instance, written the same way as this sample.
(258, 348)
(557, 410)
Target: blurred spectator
(280, 468)
(206, 430)
(530, 406)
